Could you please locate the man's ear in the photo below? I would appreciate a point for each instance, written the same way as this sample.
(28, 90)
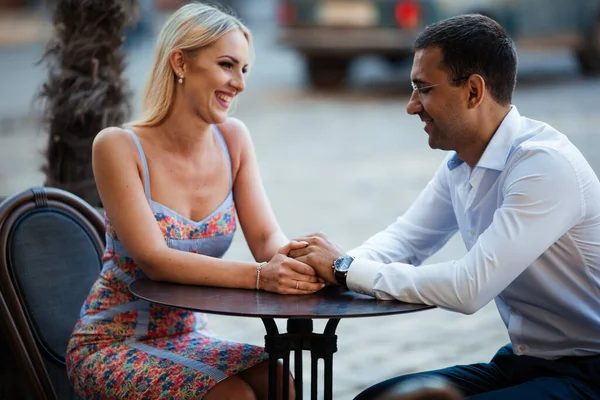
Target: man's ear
(476, 86)
(177, 60)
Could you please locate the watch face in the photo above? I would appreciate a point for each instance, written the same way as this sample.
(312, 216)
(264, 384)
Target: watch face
(342, 264)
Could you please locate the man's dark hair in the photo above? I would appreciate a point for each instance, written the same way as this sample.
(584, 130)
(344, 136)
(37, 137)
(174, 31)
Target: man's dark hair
(475, 44)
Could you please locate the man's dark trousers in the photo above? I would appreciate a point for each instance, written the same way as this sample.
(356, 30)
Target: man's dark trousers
(513, 377)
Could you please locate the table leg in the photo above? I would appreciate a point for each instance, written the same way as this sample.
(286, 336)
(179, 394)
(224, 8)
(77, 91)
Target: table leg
(299, 331)
(323, 346)
(298, 373)
(299, 337)
(314, 376)
(276, 348)
(330, 348)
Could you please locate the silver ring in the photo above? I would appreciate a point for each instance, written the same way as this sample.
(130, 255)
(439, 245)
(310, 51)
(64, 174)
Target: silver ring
(296, 285)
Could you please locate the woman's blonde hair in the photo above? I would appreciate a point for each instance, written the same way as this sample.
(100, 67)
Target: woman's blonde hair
(190, 28)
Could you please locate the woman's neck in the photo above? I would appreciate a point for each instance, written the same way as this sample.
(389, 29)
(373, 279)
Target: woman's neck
(185, 133)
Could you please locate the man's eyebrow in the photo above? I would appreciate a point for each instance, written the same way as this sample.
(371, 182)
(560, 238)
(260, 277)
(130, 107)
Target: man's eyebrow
(419, 81)
(233, 59)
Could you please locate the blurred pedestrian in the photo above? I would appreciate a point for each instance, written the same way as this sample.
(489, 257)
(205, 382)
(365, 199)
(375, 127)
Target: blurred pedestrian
(422, 388)
(173, 185)
(527, 205)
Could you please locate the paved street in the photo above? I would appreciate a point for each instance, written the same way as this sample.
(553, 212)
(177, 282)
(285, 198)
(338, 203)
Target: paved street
(345, 163)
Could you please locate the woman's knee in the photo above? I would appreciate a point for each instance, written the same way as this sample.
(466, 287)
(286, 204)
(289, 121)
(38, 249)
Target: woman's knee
(232, 388)
(258, 378)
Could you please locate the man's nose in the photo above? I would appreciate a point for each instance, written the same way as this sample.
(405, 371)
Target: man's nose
(414, 105)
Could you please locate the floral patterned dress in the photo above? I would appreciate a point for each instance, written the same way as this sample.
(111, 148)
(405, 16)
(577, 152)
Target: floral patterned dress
(126, 348)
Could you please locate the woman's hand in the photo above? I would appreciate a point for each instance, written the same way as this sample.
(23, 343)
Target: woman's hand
(292, 245)
(285, 275)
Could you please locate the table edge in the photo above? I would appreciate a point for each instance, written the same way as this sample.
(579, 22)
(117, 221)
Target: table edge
(282, 316)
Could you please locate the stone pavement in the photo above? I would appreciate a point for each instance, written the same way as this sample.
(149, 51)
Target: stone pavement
(343, 163)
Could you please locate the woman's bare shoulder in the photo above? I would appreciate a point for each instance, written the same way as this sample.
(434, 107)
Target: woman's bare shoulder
(113, 137)
(235, 133)
(238, 141)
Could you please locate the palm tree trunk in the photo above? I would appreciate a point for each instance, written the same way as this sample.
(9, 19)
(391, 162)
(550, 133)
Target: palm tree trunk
(85, 90)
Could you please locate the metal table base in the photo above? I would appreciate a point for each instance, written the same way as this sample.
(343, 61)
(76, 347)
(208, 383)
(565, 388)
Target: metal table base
(300, 337)
(331, 303)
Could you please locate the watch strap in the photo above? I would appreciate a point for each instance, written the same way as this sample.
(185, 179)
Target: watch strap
(340, 268)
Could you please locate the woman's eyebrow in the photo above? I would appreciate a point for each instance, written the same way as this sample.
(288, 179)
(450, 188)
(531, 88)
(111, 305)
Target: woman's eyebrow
(233, 59)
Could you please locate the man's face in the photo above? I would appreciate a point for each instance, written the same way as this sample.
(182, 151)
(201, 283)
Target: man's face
(443, 108)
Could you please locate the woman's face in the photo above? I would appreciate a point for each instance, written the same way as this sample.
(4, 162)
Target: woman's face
(215, 75)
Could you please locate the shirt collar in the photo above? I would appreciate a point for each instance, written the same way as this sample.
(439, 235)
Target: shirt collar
(498, 149)
(454, 161)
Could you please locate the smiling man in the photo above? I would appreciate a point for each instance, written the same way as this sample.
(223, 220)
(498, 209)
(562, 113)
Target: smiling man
(527, 205)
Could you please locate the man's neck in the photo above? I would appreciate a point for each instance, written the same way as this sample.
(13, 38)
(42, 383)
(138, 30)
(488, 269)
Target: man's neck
(487, 124)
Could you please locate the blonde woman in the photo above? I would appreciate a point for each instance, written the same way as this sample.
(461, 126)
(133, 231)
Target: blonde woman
(171, 184)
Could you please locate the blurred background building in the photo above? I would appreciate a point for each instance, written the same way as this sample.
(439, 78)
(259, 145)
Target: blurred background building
(332, 34)
(347, 161)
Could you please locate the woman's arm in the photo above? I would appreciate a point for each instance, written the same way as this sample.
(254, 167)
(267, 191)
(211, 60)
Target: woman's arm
(119, 177)
(265, 238)
(257, 220)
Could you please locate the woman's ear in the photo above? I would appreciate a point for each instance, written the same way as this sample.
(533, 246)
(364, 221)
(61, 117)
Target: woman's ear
(476, 85)
(177, 60)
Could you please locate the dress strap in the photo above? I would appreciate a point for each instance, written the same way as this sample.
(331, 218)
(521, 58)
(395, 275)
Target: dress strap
(226, 151)
(144, 162)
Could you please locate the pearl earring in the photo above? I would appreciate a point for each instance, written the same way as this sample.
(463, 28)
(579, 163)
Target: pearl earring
(180, 78)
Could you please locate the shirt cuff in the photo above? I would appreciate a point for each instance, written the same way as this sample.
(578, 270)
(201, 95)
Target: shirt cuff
(361, 276)
(358, 253)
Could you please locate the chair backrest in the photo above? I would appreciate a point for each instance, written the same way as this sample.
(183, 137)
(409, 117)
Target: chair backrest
(51, 244)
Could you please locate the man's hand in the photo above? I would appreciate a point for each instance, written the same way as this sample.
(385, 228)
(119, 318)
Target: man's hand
(319, 254)
(288, 276)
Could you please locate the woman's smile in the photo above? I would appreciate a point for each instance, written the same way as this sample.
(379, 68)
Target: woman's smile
(224, 98)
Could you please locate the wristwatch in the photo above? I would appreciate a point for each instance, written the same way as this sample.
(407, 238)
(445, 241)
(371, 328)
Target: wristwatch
(340, 266)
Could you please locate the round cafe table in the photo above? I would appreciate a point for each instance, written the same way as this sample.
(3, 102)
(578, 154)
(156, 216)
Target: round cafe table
(332, 303)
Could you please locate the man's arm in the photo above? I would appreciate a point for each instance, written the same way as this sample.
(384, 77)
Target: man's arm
(542, 201)
(420, 232)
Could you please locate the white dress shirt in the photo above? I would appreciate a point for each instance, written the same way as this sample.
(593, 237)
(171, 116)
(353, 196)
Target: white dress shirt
(529, 215)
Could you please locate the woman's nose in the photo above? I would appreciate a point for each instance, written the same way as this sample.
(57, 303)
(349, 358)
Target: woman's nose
(238, 83)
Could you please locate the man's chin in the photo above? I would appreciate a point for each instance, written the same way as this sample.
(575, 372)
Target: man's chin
(433, 143)
(438, 144)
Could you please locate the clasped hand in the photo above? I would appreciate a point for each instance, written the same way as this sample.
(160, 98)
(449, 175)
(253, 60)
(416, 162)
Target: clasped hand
(285, 275)
(319, 253)
(302, 266)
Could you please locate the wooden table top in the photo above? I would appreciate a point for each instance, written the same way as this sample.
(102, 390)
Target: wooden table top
(330, 302)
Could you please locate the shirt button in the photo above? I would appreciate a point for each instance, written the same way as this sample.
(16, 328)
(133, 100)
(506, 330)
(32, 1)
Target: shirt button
(521, 348)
